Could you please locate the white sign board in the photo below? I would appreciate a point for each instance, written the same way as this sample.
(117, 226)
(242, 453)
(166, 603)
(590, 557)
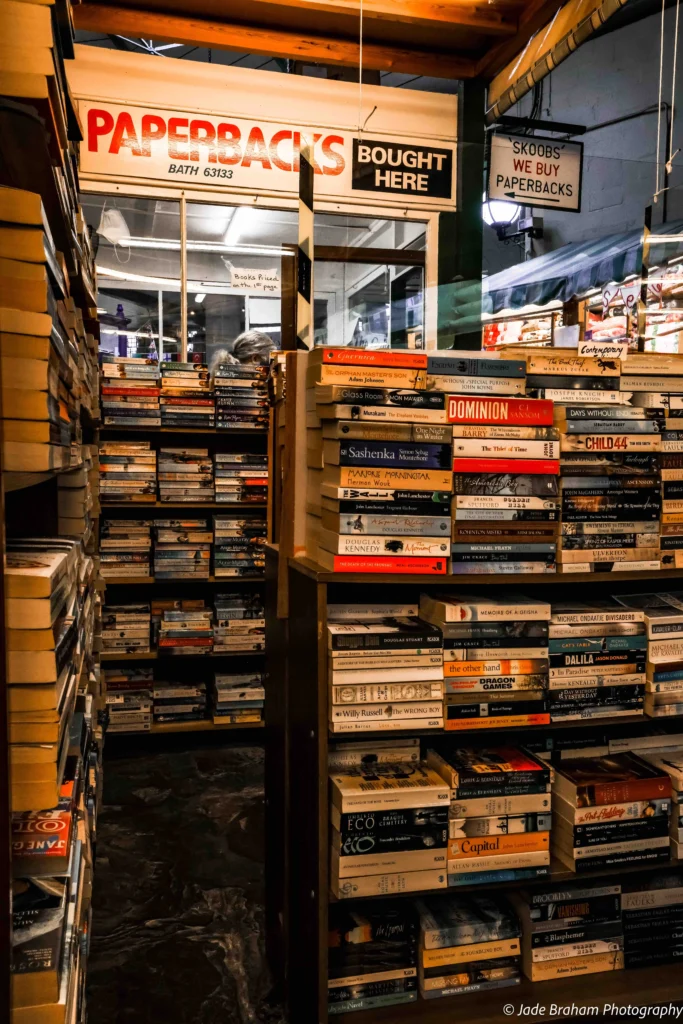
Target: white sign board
(534, 171)
(248, 280)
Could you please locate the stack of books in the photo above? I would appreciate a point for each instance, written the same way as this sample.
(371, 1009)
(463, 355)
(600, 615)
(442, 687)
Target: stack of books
(129, 698)
(467, 944)
(241, 477)
(238, 698)
(240, 623)
(598, 655)
(495, 659)
(182, 549)
(597, 782)
(241, 394)
(372, 957)
(44, 659)
(185, 631)
(652, 915)
(499, 820)
(671, 762)
(385, 673)
(126, 628)
(505, 465)
(663, 621)
(186, 397)
(185, 475)
(178, 702)
(130, 391)
(570, 931)
(125, 548)
(378, 791)
(239, 547)
(379, 463)
(77, 496)
(128, 471)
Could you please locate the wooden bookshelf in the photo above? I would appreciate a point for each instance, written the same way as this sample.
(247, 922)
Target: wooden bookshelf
(158, 655)
(145, 581)
(297, 719)
(204, 725)
(238, 432)
(194, 505)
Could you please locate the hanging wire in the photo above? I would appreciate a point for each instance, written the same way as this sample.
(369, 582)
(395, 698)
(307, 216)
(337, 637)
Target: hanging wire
(360, 72)
(659, 108)
(673, 92)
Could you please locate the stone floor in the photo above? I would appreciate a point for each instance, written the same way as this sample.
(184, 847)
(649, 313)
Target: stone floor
(178, 923)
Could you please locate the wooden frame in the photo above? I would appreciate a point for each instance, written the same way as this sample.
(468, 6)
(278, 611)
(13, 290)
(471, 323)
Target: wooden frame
(304, 747)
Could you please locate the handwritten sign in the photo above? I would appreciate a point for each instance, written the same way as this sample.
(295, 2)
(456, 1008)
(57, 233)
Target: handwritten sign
(248, 280)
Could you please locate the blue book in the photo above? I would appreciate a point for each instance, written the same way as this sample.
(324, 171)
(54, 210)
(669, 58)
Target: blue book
(459, 366)
(493, 877)
(576, 645)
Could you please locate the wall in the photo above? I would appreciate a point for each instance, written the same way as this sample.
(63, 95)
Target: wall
(606, 78)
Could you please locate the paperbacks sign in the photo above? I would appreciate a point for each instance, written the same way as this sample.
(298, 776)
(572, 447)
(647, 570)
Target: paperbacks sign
(140, 142)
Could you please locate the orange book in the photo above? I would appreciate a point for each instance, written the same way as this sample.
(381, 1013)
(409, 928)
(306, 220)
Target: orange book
(495, 667)
(512, 722)
(488, 846)
(369, 357)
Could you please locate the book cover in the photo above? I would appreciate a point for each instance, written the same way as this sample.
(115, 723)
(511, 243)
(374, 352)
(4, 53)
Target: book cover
(517, 411)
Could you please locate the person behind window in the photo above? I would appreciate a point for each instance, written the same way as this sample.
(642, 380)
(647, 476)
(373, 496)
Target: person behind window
(253, 347)
(221, 357)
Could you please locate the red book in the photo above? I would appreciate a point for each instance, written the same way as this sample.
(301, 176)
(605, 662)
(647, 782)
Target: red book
(41, 842)
(188, 401)
(513, 722)
(142, 392)
(533, 412)
(191, 641)
(371, 357)
(549, 467)
(378, 564)
(615, 779)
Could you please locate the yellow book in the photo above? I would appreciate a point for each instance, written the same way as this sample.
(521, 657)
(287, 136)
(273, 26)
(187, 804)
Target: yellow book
(469, 953)
(366, 376)
(493, 845)
(401, 479)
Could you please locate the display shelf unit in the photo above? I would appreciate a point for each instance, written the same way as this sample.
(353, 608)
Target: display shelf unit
(297, 720)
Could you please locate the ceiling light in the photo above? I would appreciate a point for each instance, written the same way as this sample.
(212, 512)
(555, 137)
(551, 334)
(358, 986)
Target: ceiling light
(200, 297)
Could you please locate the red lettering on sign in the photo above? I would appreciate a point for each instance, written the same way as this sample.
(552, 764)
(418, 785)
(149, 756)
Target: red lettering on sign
(125, 135)
(228, 140)
(153, 129)
(331, 154)
(256, 149)
(175, 138)
(277, 160)
(202, 133)
(522, 165)
(100, 122)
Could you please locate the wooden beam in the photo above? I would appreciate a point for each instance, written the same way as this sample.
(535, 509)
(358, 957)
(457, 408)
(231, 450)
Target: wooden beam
(471, 14)
(270, 42)
(536, 14)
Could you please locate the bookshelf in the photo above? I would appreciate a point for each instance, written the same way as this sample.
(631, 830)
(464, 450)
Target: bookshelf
(215, 441)
(298, 734)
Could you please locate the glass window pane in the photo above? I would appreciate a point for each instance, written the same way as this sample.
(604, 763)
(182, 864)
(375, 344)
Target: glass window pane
(369, 306)
(137, 245)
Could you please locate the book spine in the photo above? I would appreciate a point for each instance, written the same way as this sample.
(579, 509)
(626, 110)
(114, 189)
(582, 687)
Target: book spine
(422, 547)
(479, 807)
(368, 377)
(505, 501)
(501, 568)
(531, 858)
(381, 525)
(371, 713)
(495, 667)
(475, 385)
(465, 448)
(497, 845)
(573, 366)
(369, 357)
(611, 442)
(496, 684)
(388, 884)
(547, 467)
(378, 564)
(392, 453)
(468, 367)
(502, 824)
(504, 433)
(516, 411)
(416, 479)
(387, 725)
(365, 694)
(573, 949)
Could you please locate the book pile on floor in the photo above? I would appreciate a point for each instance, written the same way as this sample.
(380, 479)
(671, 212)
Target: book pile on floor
(45, 656)
(129, 698)
(241, 477)
(663, 615)
(467, 944)
(371, 942)
(130, 391)
(570, 931)
(178, 702)
(385, 669)
(505, 466)
(43, 336)
(598, 658)
(495, 659)
(239, 547)
(381, 790)
(126, 628)
(125, 548)
(379, 463)
(186, 398)
(185, 475)
(238, 698)
(652, 915)
(187, 630)
(598, 782)
(240, 623)
(182, 549)
(499, 820)
(241, 394)
(128, 472)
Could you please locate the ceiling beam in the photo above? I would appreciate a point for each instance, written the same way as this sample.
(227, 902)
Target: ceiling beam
(536, 14)
(471, 14)
(270, 42)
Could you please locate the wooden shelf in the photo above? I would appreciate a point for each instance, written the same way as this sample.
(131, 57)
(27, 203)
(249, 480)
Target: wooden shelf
(157, 655)
(638, 986)
(489, 735)
(321, 575)
(203, 725)
(145, 581)
(140, 506)
(242, 431)
(20, 481)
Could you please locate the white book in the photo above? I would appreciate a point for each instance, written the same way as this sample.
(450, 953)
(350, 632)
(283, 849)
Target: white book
(581, 681)
(388, 725)
(348, 865)
(503, 608)
(644, 566)
(491, 449)
(371, 713)
(419, 547)
(503, 501)
(455, 385)
(389, 884)
(500, 862)
(548, 953)
(381, 414)
(569, 396)
(398, 661)
(664, 897)
(366, 694)
(486, 807)
(587, 529)
(613, 849)
(352, 612)
(492, 653)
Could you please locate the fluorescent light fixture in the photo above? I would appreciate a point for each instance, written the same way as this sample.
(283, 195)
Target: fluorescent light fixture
(170, 245)
(200, 297)
(120, 275)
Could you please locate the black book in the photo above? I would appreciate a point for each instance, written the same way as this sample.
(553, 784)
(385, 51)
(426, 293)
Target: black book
(385, 633)
(606, 930)
(506, 484)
